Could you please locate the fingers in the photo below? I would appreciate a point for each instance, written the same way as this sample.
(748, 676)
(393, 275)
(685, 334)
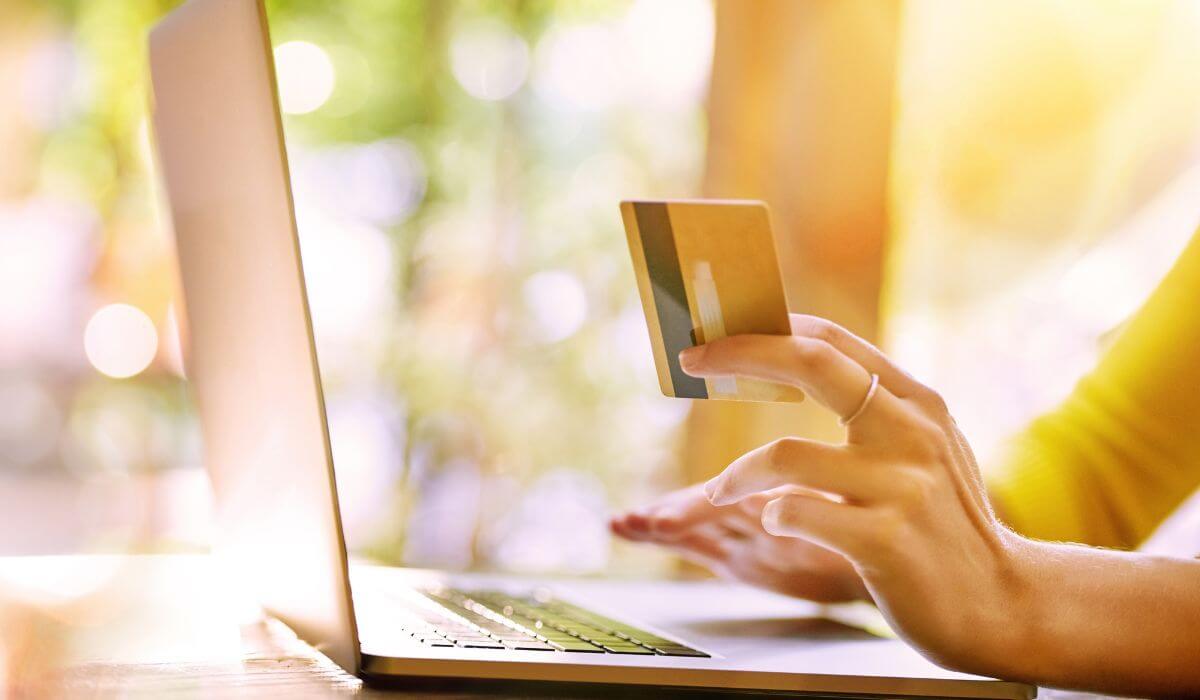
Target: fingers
(745, 516)
(683, 512)
(815, 366)
(842, 527)
(707, 549)
(674, 519)
(891, 376)
(620, 526)
(833, 469)
(702, 542)
(670, 517)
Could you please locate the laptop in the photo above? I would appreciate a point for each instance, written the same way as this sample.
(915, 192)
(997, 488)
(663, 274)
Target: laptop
(252, 366)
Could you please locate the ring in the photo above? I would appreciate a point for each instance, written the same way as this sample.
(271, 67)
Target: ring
(865, 402)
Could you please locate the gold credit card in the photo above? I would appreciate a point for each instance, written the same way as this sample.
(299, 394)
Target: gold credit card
(706, 270)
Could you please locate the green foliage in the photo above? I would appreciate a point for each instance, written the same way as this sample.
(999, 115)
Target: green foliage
(507, 195)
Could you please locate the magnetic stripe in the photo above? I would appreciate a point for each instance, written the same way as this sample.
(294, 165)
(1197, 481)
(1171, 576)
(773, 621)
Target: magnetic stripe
(670, 299)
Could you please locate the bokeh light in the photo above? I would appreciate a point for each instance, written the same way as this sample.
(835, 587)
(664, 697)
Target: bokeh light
(668, 47)
(368, 453)
(30, 421)
(120, 340)
(381, 183)
(46, 249)
(348, 269)
(528, 536)
(558, 303)
(57, 83)
(489, 61)
(305, 76)
(454, 167)
(171, 344)
(577, 68)
(353, 82)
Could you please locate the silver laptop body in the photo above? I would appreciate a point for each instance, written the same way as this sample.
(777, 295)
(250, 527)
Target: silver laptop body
(253, 370)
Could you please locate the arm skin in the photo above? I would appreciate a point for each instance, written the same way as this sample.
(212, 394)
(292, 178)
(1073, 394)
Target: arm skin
(1104, 468)
(1113, 622)
(730, 541)
(1070, 617)
(904, 503)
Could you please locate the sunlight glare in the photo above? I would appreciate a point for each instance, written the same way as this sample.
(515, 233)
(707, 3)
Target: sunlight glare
(305, 76)
(120, 340)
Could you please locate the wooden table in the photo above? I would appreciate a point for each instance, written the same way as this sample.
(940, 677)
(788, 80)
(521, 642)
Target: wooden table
(167, 626)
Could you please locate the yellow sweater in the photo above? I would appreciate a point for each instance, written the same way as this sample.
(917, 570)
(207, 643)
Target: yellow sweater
(1123, 450)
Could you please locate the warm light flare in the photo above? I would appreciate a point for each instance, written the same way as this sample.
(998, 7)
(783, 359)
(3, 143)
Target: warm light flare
(120, 340)
(305, 76)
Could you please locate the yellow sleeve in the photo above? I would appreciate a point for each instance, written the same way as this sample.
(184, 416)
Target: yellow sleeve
(1123, 450)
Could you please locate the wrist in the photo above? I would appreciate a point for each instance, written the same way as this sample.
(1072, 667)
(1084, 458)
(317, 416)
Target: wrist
(1012, 632)
(990, 627)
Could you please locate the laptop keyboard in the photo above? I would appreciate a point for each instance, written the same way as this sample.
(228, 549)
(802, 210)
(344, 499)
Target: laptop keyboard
(495, 620)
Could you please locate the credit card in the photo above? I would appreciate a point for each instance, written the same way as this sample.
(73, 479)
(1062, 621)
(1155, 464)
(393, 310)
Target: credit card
(706, 269)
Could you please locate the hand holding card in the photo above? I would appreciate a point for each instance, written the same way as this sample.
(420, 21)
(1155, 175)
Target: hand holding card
(706, 270)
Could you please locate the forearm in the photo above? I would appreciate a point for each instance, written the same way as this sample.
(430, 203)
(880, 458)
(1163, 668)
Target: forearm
(1101, 620)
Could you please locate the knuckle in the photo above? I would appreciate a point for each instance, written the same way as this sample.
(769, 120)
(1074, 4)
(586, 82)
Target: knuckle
(886, 531)
(931, 401)
(929, 439)
(777, 454)
(812, 354)
(755, 504)
(820, 329)
(926, 441)
(913, 487)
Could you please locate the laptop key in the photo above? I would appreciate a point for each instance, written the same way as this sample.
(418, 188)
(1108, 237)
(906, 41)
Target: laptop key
(479, 644)
(556, 624)
(529, 646)
(627, 649)
(577, 646)
(603, 639)
(680, 651)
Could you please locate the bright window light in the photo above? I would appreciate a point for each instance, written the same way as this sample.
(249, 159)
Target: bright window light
(305, 76)
(120, 340)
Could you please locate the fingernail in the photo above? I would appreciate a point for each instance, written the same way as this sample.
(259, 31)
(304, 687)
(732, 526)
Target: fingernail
(664, 523)
(691, 358)
(712, 488)
(638, 519)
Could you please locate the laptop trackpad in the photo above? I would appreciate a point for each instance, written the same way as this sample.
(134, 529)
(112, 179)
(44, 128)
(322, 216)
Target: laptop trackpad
(816, 628)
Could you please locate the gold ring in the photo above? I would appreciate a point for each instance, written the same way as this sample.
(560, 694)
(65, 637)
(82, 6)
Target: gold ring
(865, 402)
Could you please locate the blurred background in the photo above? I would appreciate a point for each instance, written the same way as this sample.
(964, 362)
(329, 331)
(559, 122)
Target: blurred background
(986, 189)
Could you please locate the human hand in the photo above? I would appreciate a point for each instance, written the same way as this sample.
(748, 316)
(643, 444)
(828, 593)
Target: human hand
(731, 542)
(907, 508)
